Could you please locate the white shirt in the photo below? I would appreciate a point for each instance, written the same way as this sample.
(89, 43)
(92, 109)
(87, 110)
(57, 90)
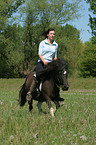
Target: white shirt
(47, 51)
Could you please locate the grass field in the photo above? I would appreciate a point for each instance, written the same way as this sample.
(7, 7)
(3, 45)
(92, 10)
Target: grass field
(74, 123)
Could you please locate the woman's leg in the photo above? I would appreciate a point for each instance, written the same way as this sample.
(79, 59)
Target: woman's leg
(39, 67)
(36, 82)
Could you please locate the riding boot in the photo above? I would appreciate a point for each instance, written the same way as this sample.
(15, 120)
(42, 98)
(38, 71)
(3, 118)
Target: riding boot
(32, 89)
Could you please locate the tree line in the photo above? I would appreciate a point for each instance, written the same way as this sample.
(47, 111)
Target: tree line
(19, 43)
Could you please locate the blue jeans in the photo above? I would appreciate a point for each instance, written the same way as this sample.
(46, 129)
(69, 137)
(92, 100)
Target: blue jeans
(39, 66)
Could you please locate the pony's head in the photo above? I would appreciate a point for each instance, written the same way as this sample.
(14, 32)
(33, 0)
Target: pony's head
(61, 74)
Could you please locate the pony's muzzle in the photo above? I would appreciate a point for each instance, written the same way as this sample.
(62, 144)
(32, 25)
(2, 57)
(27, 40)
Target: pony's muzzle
(65, 87)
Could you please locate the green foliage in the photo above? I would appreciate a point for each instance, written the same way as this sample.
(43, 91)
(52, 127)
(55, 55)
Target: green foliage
(92, 5)
(19, 45)
(88, 64)
(10, 45)
(69, 46)
(10, 6)
(7, 8)
(11, 51)
(49, 12)
(92, 20)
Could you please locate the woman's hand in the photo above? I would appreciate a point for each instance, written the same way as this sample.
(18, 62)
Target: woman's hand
(45, 63)
(55, 58)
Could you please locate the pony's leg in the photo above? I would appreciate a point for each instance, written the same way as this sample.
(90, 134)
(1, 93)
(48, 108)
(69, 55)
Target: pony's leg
(22, 95)
(50, 107)
(39, 104)
(30, 104)
(57, 104)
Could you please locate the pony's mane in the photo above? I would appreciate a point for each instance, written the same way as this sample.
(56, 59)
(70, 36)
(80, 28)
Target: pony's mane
(52, 68)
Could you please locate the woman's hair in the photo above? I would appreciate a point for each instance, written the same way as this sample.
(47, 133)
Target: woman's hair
(47, 32)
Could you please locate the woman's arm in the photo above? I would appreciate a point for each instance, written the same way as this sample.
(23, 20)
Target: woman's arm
(42, 59)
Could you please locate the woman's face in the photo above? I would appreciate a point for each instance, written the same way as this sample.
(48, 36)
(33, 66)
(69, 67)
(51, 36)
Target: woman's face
(51, 35)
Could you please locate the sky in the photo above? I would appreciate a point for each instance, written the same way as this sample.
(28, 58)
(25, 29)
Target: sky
(82, 23)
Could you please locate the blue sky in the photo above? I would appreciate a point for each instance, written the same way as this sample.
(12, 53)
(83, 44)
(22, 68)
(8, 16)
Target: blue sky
(82, 23)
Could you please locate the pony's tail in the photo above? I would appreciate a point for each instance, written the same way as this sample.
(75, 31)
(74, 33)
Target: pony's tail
(22, 95)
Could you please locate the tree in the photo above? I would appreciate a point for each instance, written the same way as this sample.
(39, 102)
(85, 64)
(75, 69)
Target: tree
(9, 39)
(31, 36)
(49, 12)
(7, 8)
(92, 20)
(67, 38)
(11, 51)
(88, 63)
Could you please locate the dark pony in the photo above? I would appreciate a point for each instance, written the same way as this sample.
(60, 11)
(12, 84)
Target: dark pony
(53, 76)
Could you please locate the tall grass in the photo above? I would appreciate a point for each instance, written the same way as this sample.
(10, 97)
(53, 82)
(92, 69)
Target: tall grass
(74, 123)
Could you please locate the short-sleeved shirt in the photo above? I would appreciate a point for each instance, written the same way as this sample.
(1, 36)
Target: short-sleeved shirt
(47, 51)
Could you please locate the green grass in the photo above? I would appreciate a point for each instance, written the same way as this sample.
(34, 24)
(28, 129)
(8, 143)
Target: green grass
(74, 123)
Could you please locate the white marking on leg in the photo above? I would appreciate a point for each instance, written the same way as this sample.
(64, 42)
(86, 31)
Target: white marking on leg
(52, 111)
(40, 87)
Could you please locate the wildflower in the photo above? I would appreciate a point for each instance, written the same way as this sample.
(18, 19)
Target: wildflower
(83, 137)
(74, 135)
(64, 131)
(1, 102)
(35, 135)
(11, 138)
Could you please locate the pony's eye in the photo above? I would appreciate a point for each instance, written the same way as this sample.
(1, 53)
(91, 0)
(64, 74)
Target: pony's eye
(65, 72)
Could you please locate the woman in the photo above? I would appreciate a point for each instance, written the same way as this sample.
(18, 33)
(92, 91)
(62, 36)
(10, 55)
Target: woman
(47, 53)
(47, 50)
